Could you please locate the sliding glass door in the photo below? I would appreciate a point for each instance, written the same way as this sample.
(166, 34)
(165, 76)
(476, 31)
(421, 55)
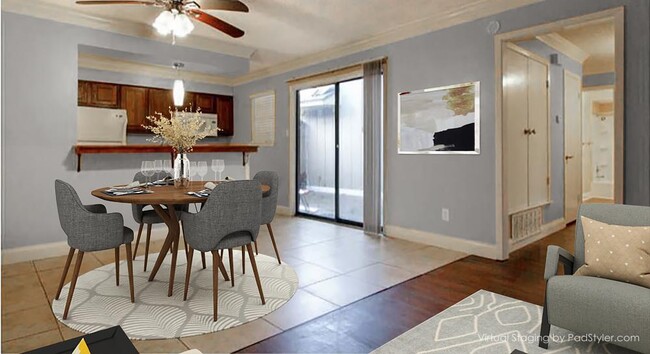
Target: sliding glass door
(329, 171)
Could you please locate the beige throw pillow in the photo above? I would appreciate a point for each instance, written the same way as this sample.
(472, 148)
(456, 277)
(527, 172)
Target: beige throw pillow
(616, 252)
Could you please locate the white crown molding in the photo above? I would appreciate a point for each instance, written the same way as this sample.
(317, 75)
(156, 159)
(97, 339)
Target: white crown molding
(472, 11)
(39, 9)
(565, 46)
(98, 62)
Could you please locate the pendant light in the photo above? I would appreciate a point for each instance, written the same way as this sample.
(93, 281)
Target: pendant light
(179, 87)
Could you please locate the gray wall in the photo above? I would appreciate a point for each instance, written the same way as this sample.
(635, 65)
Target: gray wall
(39, 92)
(555, 210)
(417, 187)
(599, 79)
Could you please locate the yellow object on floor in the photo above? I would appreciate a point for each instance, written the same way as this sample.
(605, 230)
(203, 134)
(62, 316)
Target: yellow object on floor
(82, 348)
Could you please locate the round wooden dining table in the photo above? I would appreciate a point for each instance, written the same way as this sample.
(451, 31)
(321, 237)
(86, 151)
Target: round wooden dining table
(169, 196)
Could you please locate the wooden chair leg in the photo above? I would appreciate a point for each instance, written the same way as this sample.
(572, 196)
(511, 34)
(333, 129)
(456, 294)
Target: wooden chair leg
(275, 247)
(146, 247)
(257, 275)
(187, 254)
(203, 259)
(117, 266)
(129, 267)
(75, 275)
(243, 259)
(65, 272)
(137, 241)
(232, 267)
(257, 252)
(223, 269)
(215, 283)
(190, 255)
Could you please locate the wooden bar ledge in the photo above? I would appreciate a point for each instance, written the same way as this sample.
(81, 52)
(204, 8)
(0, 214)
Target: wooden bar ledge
(81, 149)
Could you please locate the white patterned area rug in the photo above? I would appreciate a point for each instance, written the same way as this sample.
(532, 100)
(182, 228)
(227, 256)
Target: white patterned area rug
(99, 304)
(486, 322)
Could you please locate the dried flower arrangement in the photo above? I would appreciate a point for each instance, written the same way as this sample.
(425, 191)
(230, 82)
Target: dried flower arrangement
(181, 131)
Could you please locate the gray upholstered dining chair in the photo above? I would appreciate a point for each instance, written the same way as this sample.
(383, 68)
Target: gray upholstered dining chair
(230, 218)
(149, 217)
(593, 305)
(269, 205)
(90, 228)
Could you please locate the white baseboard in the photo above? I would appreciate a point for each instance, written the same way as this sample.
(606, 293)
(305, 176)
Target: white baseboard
(448, 242)
(547, 230)
(284, 211)
(56, 249)
(603, 190)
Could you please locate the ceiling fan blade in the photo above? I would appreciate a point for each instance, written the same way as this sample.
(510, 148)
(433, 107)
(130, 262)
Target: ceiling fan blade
(226, 5)
(116, 2)
(214, 22)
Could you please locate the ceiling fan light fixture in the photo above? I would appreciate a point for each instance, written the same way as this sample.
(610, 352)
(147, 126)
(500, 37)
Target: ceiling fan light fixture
(182, 25)
(164, 23)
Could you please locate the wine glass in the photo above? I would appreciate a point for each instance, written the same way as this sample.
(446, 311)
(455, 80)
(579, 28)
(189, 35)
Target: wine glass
(202, 168)
(147, 169)
(218, 166)
(167, 166)
(158, 167)
(193, 170)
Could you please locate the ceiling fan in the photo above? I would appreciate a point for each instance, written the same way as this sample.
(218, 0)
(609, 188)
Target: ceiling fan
(175, 18)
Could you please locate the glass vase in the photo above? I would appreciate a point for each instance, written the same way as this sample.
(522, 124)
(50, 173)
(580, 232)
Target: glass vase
(181, 171)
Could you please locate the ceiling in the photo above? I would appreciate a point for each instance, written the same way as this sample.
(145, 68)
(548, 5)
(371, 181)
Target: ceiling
(284, 31)
(596, 39)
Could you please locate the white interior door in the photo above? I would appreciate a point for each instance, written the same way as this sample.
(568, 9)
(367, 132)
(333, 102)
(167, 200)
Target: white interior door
(515, 113)
(538, 135)
(572, 146)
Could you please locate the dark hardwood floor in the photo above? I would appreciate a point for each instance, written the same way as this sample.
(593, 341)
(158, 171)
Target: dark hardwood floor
(369, 323)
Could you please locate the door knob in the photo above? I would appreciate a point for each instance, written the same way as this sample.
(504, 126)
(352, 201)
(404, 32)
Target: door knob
(526, 131)
(568, 157)
(533, 132)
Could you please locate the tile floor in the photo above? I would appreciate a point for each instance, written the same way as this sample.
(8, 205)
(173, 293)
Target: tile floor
(336, 265)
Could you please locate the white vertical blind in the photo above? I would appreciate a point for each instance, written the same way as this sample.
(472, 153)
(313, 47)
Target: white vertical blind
(263, 118)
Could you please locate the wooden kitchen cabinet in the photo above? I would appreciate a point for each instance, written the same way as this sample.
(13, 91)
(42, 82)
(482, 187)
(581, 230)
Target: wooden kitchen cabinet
(135, 100)
(160, 101)
(83, 93)
(225, 115)
(104, 95)
(206, 102)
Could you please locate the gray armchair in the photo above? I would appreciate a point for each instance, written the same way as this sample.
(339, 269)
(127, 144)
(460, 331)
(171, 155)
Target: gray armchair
(269, 204)
(89, 228)
(230, 218)
(591, 305)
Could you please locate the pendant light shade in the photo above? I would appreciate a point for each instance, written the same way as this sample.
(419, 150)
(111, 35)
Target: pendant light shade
(179, 87)
(179, 92)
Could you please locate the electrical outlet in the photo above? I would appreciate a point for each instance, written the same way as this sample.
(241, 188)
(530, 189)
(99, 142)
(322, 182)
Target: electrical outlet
(445, 214)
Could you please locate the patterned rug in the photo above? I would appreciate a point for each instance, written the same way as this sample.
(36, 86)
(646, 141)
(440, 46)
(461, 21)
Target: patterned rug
(486, 322)
(98, 304)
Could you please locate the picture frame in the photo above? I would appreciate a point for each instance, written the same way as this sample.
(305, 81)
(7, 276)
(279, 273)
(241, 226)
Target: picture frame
(440, 120)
